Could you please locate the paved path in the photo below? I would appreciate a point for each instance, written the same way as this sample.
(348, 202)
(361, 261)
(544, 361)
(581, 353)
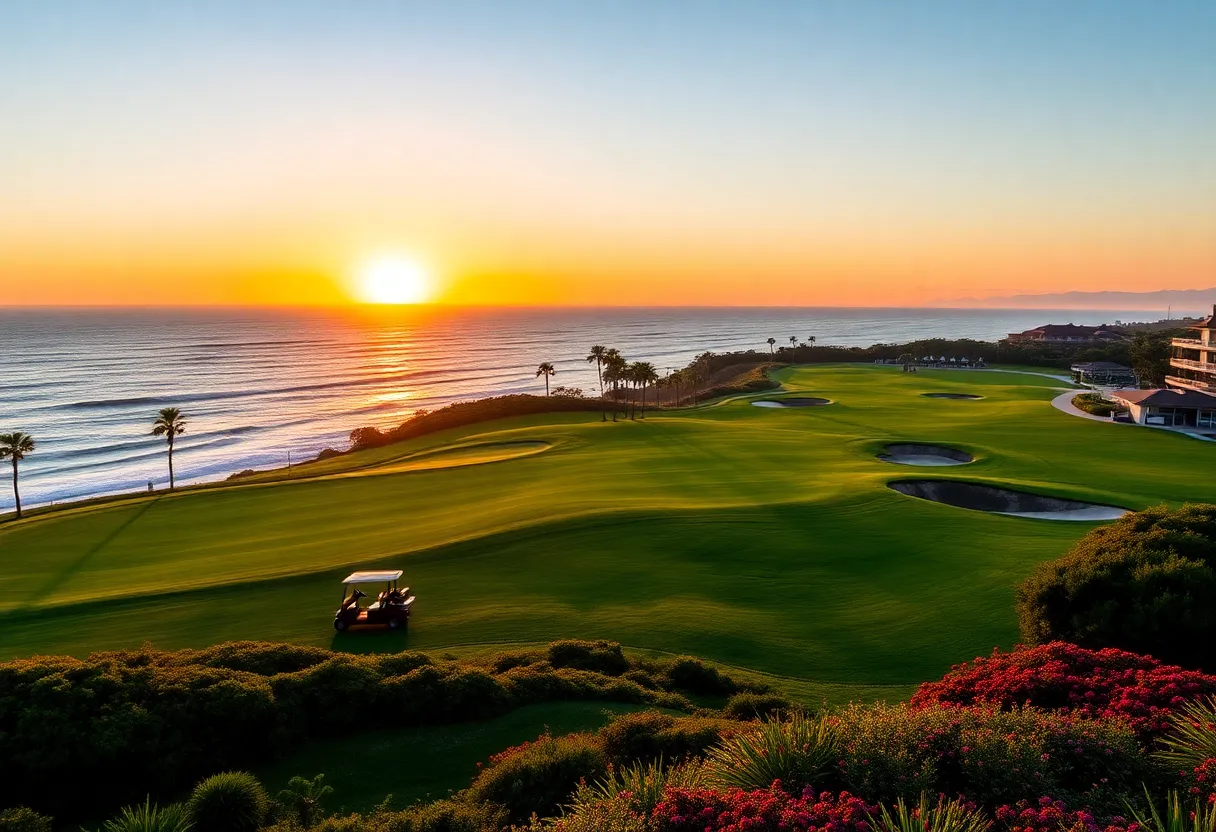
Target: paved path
(1063, 403)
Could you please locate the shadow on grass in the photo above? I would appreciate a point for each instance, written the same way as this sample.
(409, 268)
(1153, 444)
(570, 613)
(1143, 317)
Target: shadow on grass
(370, 641)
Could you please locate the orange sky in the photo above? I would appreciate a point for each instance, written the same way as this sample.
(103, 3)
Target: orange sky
(621, 155)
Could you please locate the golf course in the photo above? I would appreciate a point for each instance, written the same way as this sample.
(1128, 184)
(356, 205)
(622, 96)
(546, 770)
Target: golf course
(764, 538)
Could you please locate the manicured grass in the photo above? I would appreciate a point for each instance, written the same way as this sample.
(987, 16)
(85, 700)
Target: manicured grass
(425, 764)
(763, 538)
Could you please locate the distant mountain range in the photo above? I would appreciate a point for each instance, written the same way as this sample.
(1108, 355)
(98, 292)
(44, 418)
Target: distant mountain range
(1179, 301)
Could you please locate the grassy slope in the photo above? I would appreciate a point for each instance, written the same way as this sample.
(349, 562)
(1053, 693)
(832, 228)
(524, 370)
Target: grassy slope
(424, 764)
(758, 537)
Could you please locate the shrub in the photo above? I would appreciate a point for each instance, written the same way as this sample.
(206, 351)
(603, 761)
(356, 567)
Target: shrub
(994, 757)
(538, 777)
(1104, 683)
(749, 705)
(233, 801)
(152, 818)
(1094, 403)
(1144, 583)
(24, 819)
(649, 735)
(1051, 815)
(693, 675)
(735, 810)
(944, 816)
(441, 816)
(599, 656)
(797, 751)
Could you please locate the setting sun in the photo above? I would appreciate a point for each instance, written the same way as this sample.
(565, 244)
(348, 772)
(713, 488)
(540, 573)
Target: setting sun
(395, 280)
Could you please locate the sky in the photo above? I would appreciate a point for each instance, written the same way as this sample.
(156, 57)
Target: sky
(701, 152)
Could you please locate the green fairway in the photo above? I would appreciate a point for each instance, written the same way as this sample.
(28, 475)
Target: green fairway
(764, 538)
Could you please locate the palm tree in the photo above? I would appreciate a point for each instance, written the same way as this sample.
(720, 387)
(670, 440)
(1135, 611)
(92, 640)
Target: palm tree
(170, 424)
(793, 341)
(810, 339)
(772, 343)
(15, 446)
(614, 373)
(644, 373)
(598, 354)
(546, 370)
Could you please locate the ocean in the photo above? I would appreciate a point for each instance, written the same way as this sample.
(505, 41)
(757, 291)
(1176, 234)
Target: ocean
(261, 387)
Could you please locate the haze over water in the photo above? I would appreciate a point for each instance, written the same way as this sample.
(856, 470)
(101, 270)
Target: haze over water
(258, 384)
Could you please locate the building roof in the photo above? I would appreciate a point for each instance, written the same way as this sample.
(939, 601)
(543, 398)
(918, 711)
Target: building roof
(1109, 366)
(1165, 398)
(373, 577)
(1207, 323)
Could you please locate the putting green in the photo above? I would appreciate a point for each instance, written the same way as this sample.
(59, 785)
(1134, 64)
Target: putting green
(761, 537)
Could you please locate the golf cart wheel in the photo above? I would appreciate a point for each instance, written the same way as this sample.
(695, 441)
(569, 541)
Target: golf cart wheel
(394, 623)
(339, 624)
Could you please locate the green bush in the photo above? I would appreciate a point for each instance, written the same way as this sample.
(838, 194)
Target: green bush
(1144, 583)
(538, 777)
(650, 735)
(24, 819)
(152, 818)
(232, 801)
(599, 656)
(693, 675)
(798, 751)
(1094, 404)
(749, 705)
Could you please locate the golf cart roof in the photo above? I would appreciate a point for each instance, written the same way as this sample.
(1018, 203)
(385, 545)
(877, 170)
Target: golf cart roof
(373, 577)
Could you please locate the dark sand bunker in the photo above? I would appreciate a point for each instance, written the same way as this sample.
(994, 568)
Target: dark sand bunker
(803, 401)
(989, 498)
(916, 454)
(950, 396)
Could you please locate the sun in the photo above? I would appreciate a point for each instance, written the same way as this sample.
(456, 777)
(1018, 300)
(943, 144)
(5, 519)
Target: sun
(395, 280)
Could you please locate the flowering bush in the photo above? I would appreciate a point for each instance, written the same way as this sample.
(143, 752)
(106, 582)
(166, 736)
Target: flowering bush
(1050, 815)
(736, 810)
(1105, 683)
(989, 755)
(1200, 782)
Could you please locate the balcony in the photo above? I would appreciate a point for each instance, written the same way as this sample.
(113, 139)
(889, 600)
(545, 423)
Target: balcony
(1187, 343)
(1188, 364)
(1190, 384)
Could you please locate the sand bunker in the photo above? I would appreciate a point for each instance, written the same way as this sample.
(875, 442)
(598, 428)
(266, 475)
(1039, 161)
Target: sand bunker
(989, 498)
(915, 454)
(950, 396)
(804, 401)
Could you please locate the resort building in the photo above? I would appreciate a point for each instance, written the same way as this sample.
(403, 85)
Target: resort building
(1064, 334)
(1194, 360)
(1104, 374)
(1169, 408)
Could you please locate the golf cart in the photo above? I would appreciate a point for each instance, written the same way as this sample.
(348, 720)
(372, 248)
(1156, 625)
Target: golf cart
(390, 610)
